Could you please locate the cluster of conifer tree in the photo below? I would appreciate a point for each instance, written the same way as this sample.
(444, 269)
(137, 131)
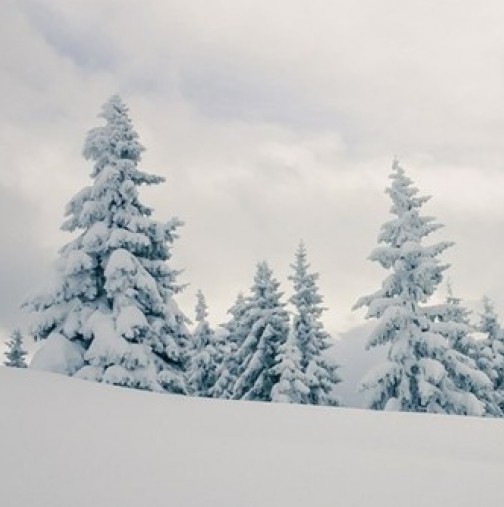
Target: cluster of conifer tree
(434, 363)
(110, 315)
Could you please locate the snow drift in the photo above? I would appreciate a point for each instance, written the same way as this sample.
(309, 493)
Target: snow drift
(68, 442)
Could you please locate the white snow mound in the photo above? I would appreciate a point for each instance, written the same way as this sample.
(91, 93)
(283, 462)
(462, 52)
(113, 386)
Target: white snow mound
(67, 442)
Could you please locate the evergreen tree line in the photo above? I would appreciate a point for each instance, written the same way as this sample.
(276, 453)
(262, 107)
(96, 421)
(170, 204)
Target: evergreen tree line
(262, 353)
(110, 314)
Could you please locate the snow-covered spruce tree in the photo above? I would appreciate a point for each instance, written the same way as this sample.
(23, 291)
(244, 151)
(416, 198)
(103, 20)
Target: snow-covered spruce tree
(109, 315)
(417, 374)
(489, 323)
(15, 354)
(235, 334)
(490, 352)
(452, 320)
(292, 385)
(309, 334)
(266, 325)
(204, 352)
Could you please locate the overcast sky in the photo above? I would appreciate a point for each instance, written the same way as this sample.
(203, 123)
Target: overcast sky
(272, 121)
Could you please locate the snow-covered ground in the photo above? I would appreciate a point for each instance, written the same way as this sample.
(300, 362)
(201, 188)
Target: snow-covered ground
(67, 442)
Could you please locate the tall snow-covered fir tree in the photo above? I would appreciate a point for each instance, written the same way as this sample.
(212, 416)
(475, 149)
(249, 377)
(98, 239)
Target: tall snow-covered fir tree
(204, 352)
(452, 320)
(15, 353)
(235, 332)
(418, 373)
(109, 314)
(309, 334)
(490, 350)
(265, 325)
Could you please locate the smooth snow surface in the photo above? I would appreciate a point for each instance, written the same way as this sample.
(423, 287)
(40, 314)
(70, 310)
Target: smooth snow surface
(67, 442)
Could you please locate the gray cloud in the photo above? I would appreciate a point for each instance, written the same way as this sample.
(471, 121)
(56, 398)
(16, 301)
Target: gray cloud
(87, 46)
(23, 262)
(272, 121)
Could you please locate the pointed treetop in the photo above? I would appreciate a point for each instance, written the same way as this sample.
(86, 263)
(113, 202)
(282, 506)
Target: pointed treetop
(116, 144)
(300, 265)
(240, 299)
(305, 283)
(201, 307)
(402, 191)
(489, 320)
(408, 226)
(115, 104)
(301, 249)
(396, 166)
(118, 132)
(238, 305)
(265, 288)
(488, 306)
(489, 314)
(263, 272)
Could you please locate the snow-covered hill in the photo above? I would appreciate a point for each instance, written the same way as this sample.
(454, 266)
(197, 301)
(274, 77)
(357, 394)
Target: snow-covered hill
(66, 442)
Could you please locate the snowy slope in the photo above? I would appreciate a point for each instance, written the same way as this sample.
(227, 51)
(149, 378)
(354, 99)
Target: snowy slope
(66, 442)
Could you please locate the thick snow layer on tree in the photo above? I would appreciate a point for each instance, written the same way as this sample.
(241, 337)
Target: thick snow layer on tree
(66, 442)
(112, 288)
(59, 356)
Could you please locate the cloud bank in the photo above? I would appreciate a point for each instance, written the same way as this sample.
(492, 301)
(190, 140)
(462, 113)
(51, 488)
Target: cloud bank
(273, 121)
